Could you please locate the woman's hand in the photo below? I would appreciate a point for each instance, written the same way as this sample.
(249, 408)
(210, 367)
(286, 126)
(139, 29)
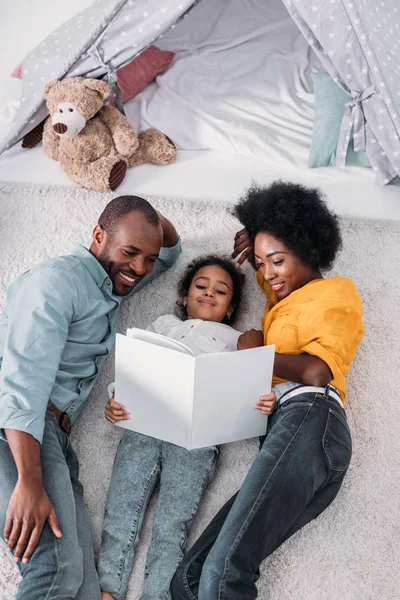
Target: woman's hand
(266, 404)
(242, 245)
(116, 412)
(250, 339)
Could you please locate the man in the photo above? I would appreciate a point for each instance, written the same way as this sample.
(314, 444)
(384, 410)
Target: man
(57, 329)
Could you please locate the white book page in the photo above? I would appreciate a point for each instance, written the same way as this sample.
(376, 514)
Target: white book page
(158, 340)
(156, 386)
(227, 386)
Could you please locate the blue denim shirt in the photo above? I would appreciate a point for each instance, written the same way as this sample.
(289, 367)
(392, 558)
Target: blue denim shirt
(56, 331)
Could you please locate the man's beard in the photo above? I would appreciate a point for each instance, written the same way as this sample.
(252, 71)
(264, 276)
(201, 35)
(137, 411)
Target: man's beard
(104, 260)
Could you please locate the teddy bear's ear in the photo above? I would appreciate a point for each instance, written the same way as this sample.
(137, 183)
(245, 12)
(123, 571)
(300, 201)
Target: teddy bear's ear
(98, 86)
(48, 86)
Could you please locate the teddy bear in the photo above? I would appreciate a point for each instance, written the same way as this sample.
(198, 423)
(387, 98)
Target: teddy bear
(95, 144)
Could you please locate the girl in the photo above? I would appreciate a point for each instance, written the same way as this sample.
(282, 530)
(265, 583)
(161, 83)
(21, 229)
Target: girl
(210, 291)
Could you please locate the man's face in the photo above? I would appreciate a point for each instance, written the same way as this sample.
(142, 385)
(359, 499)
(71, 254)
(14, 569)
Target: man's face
(130, 253)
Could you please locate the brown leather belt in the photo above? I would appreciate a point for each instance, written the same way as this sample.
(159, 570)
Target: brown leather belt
(62, 418)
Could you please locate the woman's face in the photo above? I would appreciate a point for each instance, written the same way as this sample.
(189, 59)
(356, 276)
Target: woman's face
(210, 295)
(280, 267)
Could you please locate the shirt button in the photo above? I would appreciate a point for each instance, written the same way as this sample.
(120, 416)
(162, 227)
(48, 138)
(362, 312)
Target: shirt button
(108, 282)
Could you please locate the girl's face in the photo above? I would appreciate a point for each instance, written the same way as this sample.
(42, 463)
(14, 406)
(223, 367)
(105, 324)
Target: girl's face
(210, 295)
(280, 267)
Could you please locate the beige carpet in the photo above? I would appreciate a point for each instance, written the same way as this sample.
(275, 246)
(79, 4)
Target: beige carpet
(351, 552)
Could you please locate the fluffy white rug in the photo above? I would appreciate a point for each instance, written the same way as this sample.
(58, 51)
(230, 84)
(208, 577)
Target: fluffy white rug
(352, 551)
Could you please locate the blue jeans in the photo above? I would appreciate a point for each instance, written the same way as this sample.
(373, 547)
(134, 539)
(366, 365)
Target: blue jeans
(296, 475)
(184, 475)
(60, 569)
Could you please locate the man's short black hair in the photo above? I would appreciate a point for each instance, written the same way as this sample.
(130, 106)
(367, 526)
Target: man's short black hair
(123, 205)
(297, 216)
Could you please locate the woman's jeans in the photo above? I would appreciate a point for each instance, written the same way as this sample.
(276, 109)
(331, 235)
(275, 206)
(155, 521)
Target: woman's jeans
(184, 475)
(60, 569)
(296, 475)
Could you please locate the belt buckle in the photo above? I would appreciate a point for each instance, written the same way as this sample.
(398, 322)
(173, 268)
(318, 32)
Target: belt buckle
(67, 427)
(327, 391)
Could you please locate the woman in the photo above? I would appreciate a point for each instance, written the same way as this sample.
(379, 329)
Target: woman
(290, 237)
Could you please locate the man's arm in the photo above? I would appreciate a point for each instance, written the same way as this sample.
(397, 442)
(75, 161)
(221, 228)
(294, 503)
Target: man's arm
(39, 313)
(170, 235)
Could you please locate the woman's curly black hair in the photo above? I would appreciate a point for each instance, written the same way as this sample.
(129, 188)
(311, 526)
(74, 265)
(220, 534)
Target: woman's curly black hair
(296, 215)
(206, 261)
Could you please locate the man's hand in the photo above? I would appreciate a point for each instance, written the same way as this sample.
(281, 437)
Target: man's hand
(250, 339)
(169, 232)
(242, 245)
(266, 404)
(28, 510)
(116, 412)
(29, 507)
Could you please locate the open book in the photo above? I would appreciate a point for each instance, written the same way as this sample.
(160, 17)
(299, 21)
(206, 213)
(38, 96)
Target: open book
(186, 400)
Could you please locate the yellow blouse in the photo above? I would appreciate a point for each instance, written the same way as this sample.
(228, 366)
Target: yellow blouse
(323, 318)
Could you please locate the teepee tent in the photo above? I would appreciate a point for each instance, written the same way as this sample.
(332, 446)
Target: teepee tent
(357, 43)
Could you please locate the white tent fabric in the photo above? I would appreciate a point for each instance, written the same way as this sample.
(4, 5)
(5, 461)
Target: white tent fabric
(94, 43)
(240, 84)
(356, 42)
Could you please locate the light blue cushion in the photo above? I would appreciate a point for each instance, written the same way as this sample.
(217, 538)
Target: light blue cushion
(330, 102)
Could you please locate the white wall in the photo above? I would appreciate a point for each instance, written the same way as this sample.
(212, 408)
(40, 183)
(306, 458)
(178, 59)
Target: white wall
(23, 24)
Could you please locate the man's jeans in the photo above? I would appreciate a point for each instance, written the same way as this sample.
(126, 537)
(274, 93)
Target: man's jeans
(296, 475)
(60, 569)
(184, 475)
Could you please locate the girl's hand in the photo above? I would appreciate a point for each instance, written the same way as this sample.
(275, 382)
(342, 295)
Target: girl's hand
(250, 339)
(266, 404)
(116, 412)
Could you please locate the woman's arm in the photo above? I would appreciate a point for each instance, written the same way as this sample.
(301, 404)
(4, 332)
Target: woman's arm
(299, 368)
(302, 368)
